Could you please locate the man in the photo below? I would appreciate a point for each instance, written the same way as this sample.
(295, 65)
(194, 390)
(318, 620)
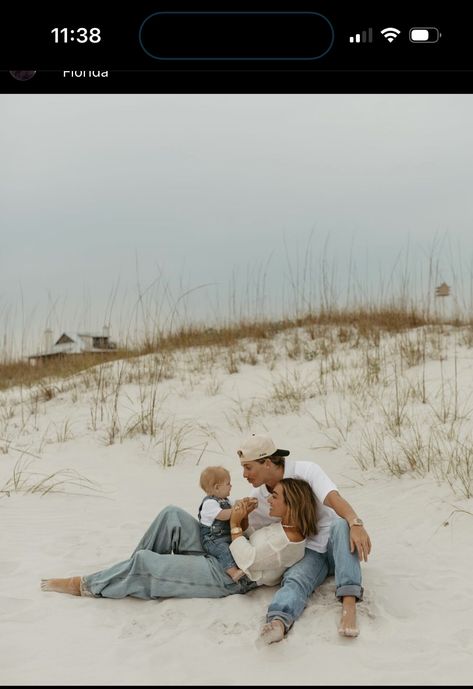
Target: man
(337, 548)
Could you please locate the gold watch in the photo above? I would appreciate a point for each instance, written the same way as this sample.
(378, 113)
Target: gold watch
(356, 522)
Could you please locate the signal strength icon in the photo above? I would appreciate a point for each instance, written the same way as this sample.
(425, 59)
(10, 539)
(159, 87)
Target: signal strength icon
(390, 33)
(364, 37)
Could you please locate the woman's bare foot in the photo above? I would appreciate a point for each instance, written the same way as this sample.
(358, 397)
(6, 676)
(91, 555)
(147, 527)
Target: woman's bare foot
(69, 585)
(271, 632)
(235, 573)
(348, 626)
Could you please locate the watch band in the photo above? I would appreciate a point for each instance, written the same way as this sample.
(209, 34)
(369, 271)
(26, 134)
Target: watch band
(356, 522)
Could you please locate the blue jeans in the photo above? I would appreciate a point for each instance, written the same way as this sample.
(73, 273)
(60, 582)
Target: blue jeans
(216, 541)
(300, 580)
(167, 562)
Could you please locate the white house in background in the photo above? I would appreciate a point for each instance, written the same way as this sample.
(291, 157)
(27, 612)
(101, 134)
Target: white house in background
(73, 343)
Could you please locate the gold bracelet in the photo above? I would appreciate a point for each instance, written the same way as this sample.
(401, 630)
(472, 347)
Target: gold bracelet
(236, 529)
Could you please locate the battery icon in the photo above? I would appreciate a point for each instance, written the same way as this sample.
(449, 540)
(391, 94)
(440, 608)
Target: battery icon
(424, 34)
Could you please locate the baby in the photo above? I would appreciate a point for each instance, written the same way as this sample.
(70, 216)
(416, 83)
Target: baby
(214, 518)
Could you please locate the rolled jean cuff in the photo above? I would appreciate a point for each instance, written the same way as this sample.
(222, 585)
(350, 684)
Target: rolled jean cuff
(350, 590)
(285, 619)
(84, 591)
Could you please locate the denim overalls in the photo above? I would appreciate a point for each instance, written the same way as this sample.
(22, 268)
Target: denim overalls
(216, 538)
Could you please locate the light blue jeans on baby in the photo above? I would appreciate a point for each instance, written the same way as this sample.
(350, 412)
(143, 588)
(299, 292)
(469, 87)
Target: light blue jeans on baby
(168, 562)
(300, 580)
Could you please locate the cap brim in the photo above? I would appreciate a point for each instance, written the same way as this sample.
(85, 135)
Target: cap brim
(281, 453)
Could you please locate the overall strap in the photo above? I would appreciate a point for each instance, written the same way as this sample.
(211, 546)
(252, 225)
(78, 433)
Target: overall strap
(226, 504)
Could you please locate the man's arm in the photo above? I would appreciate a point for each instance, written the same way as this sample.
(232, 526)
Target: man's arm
(359, 538)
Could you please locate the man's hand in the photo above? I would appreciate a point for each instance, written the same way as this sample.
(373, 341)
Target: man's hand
(360, 540)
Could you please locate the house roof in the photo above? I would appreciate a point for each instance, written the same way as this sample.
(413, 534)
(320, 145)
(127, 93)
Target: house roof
(73, 344)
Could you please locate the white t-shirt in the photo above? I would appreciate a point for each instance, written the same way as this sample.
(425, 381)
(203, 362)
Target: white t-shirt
(210, 509)
(320, 483)
(266, 554)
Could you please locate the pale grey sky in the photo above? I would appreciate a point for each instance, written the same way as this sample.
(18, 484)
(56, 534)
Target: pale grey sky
(95, 189)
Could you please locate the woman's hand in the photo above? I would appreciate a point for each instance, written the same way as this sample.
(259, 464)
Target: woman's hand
(251, 504)
(238, 513)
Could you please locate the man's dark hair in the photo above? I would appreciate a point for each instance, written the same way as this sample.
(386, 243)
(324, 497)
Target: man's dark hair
(278, 460)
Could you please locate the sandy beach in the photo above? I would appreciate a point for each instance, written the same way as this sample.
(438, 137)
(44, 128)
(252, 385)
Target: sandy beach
(415, 619)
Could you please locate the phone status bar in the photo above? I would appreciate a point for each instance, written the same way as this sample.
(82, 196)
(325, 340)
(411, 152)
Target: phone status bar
(155, 41)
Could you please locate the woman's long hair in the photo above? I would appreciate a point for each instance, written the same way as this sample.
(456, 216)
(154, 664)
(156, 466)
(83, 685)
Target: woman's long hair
(300, 499)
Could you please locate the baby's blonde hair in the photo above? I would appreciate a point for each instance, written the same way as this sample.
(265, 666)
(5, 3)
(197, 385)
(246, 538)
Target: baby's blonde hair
(212, 476)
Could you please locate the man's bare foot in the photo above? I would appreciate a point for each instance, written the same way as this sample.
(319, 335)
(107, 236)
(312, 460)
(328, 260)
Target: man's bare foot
(70, 585)
(235, 573)
(348, 626)
(271, 632)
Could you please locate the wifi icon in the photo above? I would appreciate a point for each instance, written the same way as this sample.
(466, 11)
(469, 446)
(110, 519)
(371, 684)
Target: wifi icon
(390, 33)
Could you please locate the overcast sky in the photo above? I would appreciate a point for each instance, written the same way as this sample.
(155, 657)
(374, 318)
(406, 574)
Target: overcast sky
(100, 191)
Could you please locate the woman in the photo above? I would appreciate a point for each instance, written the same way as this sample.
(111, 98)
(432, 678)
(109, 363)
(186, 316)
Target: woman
(271, 549)
(169, 560)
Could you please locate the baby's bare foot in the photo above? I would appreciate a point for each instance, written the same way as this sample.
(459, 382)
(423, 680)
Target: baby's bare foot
(69, 585)
(235, 573)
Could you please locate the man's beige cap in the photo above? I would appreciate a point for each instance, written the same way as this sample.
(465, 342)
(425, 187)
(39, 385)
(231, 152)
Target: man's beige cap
(259, 447)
